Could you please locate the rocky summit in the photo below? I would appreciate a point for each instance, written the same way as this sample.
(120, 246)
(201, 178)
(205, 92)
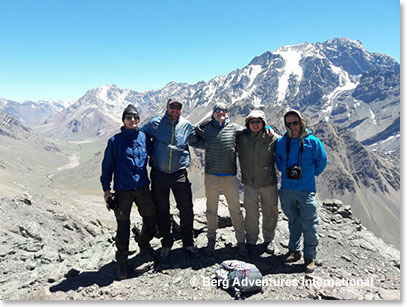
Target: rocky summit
(50, 251)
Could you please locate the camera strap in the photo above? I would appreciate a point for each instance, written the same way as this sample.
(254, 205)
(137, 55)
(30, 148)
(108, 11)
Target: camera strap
(288, 146)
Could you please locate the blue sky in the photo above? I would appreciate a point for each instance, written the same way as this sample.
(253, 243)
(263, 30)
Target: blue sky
(54, 49)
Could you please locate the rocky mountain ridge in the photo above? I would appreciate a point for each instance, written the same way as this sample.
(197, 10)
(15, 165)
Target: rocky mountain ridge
(54, 252)
(338, 85)
(337, 81)
(31, 112)
(362, 178)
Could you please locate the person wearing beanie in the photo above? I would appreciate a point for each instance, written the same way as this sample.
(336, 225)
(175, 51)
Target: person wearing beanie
(256, 156)
(170, 135)
(125, 159)
(130, 110)
(300, 156)
(219, 136)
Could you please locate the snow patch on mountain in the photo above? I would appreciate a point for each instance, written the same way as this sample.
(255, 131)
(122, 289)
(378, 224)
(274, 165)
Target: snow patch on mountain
(345, 84)
(372, 116)
(252, 71)
(390, 138)
(292, 59)
(257, 102)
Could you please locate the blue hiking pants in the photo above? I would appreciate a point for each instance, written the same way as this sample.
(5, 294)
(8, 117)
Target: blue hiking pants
(300, 207)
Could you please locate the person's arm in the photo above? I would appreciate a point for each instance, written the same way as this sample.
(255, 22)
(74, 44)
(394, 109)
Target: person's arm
(149, 144)
(240, 129)
(200, 129)
(106, 195)
(149, 132)
(320, 157)
(270, 132)
(278, 158)
(148, 128)
(107, 169)
(195, 140)
(239, 139)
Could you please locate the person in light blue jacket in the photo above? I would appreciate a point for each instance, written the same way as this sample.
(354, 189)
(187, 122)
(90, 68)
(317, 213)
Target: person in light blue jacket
(300, 156)
(170, 135)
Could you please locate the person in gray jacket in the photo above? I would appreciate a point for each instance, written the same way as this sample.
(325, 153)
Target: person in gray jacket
(219, 136)
(255, 150)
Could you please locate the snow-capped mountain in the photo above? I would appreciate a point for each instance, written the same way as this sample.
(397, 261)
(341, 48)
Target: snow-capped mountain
(338, 85)
(100, 110)
(31, 113)
(336, 81)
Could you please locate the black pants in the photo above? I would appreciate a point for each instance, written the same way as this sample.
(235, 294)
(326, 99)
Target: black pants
(144, 201)
(178, 182)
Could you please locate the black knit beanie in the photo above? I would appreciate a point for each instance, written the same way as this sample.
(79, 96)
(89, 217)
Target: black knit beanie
(129, 110)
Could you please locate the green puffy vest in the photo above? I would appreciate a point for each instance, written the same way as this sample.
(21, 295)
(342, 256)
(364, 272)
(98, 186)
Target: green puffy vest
(220, 147)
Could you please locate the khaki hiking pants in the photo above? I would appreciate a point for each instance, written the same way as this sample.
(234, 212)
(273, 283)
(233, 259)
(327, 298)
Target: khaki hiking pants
(268, 198)
(229, 185)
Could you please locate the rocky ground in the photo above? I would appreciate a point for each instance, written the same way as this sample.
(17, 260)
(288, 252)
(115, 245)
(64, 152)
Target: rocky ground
(53, 252)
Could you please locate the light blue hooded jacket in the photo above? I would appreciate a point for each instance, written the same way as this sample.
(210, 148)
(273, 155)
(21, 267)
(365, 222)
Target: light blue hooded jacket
(314, 159)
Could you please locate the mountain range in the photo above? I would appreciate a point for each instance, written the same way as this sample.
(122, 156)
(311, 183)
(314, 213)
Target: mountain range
(31, 113)
(349, 96)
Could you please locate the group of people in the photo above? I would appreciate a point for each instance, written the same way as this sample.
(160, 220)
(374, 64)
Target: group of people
(164, 141)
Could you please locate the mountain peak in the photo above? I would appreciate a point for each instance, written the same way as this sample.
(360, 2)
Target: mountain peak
(345, 41)
(112, 86)
(298, 47)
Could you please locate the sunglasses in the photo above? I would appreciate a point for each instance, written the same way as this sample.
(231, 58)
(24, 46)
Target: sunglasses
(218, 110)
(130, 117)
(252, 122)
(175, 107)
(294, 123)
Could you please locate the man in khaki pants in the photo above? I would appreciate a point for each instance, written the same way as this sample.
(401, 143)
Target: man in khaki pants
(256, 156)
(219, 135)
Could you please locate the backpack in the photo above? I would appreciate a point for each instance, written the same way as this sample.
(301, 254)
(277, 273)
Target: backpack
(239, 276)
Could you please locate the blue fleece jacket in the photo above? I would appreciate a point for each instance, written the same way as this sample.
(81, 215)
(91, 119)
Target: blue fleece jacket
(314, 161)
(125, 158)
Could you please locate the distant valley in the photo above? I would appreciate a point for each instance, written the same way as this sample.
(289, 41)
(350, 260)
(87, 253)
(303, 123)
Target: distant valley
(350, 97)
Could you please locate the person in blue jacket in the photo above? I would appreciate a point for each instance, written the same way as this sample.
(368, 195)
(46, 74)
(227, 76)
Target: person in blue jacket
(170, 135)
(126, 158)
(300, 156)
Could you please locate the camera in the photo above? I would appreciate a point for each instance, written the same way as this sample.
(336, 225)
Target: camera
(294, 172)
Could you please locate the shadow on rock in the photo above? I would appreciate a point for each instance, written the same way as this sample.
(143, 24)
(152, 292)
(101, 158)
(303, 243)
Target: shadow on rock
(105, 276)
(179, 259)
(272, 264)
(138, 265)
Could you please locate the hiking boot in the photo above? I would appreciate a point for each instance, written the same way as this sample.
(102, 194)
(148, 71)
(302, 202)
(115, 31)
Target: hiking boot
(309, 265)
(121, 271)
(292, 256)
(192, 251)
(210, 248)
(242, 249)
(267, 247)
(252, 250)
(165, 252)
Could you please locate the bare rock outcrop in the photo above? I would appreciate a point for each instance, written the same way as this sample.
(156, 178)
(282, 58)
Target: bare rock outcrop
(53, 252)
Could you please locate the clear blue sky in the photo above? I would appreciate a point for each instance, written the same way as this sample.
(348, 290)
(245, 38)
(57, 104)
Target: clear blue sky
(54, 49)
